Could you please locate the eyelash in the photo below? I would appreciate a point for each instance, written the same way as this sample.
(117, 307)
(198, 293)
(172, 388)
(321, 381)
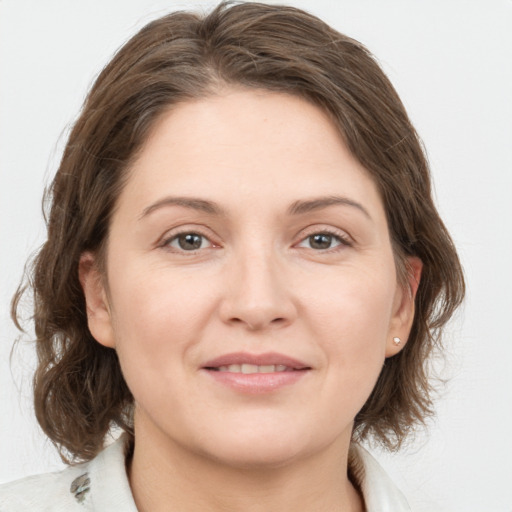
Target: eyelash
(339, 236)
(343, 239)
(166, 242)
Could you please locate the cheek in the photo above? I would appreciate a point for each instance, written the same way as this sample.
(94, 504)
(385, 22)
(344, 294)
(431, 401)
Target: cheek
(354, 303)
(351, 321)
(157, 324)
(157, 317)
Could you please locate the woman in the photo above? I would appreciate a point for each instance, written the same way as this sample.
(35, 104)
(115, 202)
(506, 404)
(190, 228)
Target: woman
(244, 271)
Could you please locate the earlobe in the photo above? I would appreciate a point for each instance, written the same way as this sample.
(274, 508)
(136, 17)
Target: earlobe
(98, 311)
(403, 314)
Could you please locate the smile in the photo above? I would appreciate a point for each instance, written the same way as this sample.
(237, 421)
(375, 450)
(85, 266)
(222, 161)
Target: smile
(256, 373)
(243, 362)
(253, 368)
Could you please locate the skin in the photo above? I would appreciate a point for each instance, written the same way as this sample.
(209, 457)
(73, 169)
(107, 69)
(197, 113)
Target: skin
(257, 283)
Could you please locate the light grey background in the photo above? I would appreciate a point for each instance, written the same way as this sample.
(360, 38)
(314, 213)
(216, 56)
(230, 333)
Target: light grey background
(451, 63)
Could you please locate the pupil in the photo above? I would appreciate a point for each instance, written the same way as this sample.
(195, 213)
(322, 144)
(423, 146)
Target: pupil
(321, 241)
(190, 241)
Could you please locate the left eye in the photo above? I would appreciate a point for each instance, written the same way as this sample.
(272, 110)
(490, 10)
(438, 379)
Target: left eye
(322, 241)
(189, 242)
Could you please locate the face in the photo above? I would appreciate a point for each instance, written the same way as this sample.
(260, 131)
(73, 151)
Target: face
(252, 293)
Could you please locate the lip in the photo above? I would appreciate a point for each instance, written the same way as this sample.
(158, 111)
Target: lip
(256, 383)
(268, 358)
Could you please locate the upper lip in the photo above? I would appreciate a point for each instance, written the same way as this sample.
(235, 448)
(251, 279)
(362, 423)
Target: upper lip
(269, 358)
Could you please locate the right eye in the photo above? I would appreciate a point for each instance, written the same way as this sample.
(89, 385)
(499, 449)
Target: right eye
(189, 241)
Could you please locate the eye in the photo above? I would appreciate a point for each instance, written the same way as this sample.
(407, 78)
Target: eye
(323, 241)
(188, 242)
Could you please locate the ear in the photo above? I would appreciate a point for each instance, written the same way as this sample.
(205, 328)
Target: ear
(403, 307)
(99, 317)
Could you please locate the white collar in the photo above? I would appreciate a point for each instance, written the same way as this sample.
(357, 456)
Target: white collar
(102, 484)
(379, 492)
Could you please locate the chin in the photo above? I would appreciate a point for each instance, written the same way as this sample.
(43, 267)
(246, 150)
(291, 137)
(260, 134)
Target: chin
(268, 446)
(254, 456)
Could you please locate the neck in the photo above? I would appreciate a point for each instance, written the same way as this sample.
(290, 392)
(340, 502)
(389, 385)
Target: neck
(166, 476)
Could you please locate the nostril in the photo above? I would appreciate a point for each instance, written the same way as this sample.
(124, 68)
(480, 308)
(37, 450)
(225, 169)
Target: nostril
(256, 324)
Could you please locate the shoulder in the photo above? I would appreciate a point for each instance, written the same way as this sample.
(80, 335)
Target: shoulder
(98, 485)
(379, 492)
(54, 492)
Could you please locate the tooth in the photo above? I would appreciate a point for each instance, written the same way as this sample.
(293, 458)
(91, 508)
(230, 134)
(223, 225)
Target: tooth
(249, 368)
(253, 368)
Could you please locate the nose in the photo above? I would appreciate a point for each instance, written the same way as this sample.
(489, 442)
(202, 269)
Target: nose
(258, 293)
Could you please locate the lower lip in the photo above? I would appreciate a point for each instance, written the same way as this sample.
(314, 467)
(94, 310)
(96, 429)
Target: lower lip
(257, 383)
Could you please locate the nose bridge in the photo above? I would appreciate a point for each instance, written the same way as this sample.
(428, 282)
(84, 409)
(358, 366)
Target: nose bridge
(258, 293)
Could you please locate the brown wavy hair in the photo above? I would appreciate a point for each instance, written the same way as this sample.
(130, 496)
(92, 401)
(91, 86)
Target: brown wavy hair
(80, 392)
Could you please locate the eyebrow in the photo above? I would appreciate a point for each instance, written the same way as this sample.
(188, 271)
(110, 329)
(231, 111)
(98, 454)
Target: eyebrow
(299, 207)
(310, 205)
(187, 202)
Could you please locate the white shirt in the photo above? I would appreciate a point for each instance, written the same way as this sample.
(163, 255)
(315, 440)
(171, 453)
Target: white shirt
(101, 485)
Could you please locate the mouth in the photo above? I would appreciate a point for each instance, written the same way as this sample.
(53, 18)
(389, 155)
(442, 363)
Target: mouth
(256, 373)
(247, 368)
(242, 362)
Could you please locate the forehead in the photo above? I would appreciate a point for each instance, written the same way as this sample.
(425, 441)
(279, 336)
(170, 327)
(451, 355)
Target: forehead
(247, 146)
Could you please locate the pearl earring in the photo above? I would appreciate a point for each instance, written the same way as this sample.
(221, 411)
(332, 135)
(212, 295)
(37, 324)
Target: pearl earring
(397, 340)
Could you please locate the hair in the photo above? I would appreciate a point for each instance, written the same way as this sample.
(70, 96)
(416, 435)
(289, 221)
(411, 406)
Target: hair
(79, 389)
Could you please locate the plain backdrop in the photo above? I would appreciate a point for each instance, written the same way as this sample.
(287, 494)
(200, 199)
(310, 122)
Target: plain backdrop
(451, 62)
